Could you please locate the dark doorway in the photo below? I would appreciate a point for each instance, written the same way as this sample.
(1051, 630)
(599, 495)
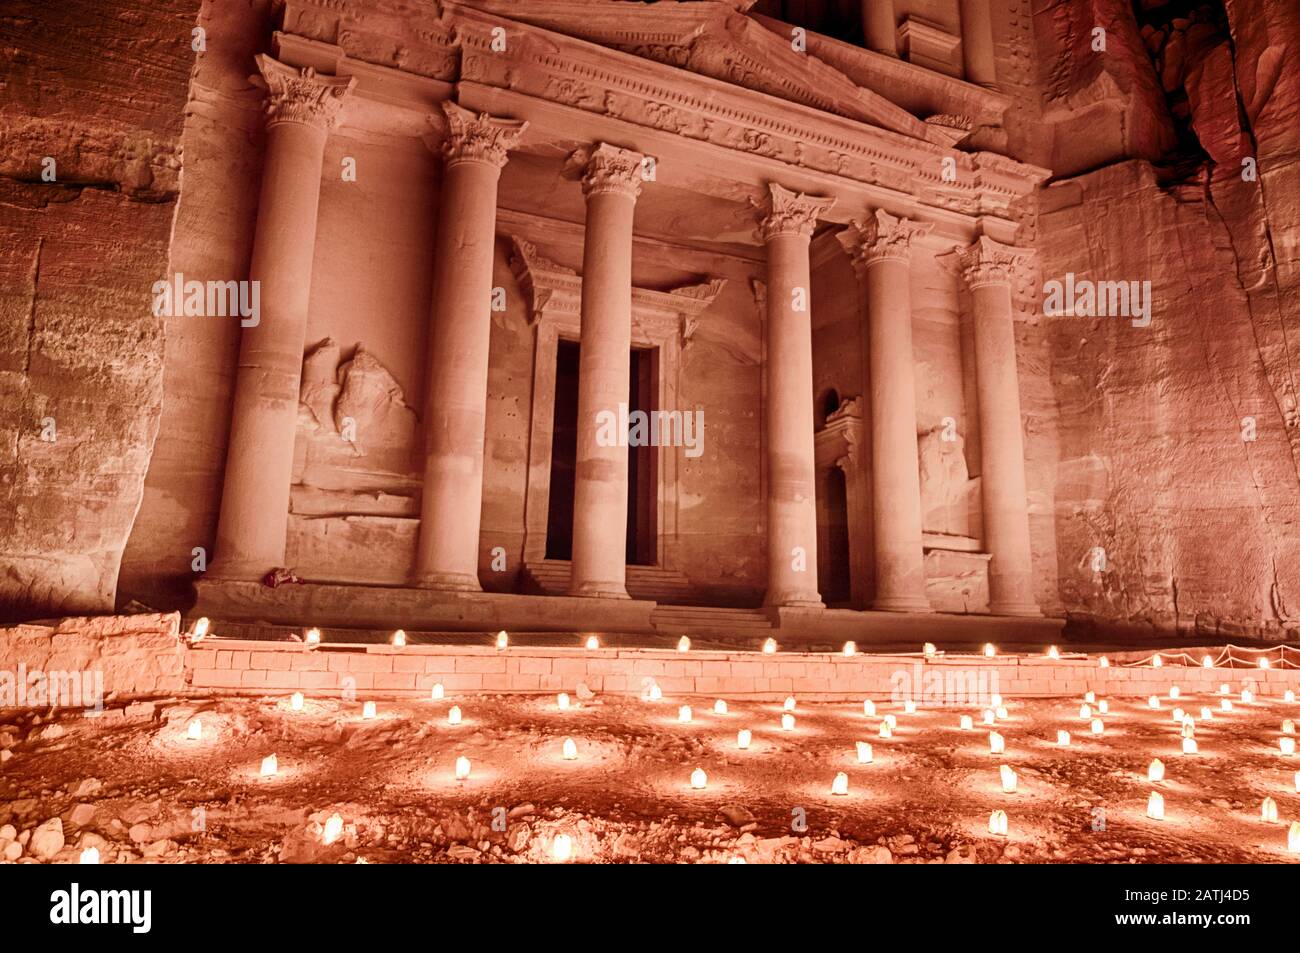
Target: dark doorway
(833, 570)
(642, 469)
(564, 453)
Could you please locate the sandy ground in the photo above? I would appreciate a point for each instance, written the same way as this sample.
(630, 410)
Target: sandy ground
(134, 785)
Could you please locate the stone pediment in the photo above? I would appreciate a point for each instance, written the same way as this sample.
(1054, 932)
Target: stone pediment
(717, 40)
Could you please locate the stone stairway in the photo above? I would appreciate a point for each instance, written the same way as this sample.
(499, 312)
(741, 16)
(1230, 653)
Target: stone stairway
(550, 577)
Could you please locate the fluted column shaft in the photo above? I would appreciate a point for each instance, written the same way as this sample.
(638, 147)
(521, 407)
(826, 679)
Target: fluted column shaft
(879, 27)
(883, 256)
(455, 413)
(252, 527)
(986, 268)
(611, 185)
(786, 230)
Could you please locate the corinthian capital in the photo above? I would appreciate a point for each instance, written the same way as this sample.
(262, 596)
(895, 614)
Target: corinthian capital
(614, 170)
(881, 237)
(986, 262)
(302, 95)
(478, 137)
(791, 213)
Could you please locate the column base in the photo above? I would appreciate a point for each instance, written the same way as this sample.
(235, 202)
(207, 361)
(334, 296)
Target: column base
(447, 582)
(237, 571)
(599, 590)
(795, 600)
(1023, 609)
(902, 604)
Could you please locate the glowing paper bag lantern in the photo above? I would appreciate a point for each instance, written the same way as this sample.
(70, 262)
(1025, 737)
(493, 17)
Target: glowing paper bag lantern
(296, 701)
(1190, 746)
(865, 755)
(561, 848)
(719, 707)
(1063, 738)
(656, 693)
(437, 693)
(1288, 726)
(998, 823)
(989, 716)
(1225, 704)
(997, 744)
(1103, 706)
(990, 650)
(683, 644)
(1156, 806)
(1153, 702)
(399, 639)
(453, 715)
(1053, 652)
(684, 714)
(503, 640)
(195, 731)
(789, 703)
(769, 647)
(1174, 691)
(368, 711)
(1085, 712)
(869, 708)
(569, 750)
(462, 768)
(743, 738)
(929, 650)
(1268, 811)
(1002, 713)
(886, 731)
(1097, 726)
(787, 722)
(1008, 779)
(840, 785)
(1104, 662)
(562, 701)
(313, 636)
(850, 649)
(892, 720)
(332, 830)
(1090, 697)
(699, 780)
(1293, 838)
(1156, 770)
(1157, 661)
(967, 723)
(909, 707)
(593, 643)
(270, 766)
(200, 632)
(1286, 744)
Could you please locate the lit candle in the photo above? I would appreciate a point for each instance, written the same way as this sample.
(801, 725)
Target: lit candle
(437, 692)
(869, 708)
(789, 703)
(850, 649)
(995, 700)
(1286, 744)
(929, 650)
(1156, 770)
(684, 714)
(1206, 714)
(399, 638)
(1090, 697)
(593, 643)
(967, 722)
(699, 779)
(997, 744)
(840, 785)
(1104, 662)
(1097, 726)
(989, 716)
(1190, 746)
(453, 715)
(368, 711)
(1008, 780)
(683, 644)
(1293, 838)
(1153, 702)
(200, 631)
(1063, 738)
(313, 636)
(656, 693)
(569, 750)
(1263, 662)
(1189, 727)
(1207, 662)
(1002, 713)
(296, 701)
(743, 738)
(1268, 811)
(864, 757)
(886, 731)
(1157, 661)
(503, 640)
(1085, 712)
(1225, 704)
(909, 707)
(270, 766)
(1225, 689)
(998, 823)
(332, 830)
(561, 848)
(892, 721)
(91, 854)
(1247, 696)
(462, 768)
(1179, 715)
(787, 722)
(1053, 652)
(1289, 697)
(737, 860)
(1103, 707)
(195, 732)
(1156, 806)
(1173, 691)
(1288, 726)
(562, 701)
(990, 650)
(719, 707)
(769, 647)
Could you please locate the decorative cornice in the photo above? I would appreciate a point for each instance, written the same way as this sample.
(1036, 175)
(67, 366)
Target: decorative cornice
(791, 213)
(881, 237)
(986, 262)
(478, 137)
(614, 171)
(302, 95)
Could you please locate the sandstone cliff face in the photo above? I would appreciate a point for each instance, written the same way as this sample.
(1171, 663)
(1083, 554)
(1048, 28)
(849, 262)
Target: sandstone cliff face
(1178, 441)
(91, 110)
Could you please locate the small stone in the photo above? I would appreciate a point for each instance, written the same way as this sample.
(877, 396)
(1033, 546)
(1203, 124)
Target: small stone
(82, 815)
(13, 850)
(736, 815)
(583, 692)
(140, 833)
(964, 854)
(5, 755)
(8, 832)
(47, 840)
(85, 787)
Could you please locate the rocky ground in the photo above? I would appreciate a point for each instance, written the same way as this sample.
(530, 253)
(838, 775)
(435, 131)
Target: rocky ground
(134, 785)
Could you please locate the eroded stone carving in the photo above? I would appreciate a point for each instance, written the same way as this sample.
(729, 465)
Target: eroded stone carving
(945, 482)
(302, 95)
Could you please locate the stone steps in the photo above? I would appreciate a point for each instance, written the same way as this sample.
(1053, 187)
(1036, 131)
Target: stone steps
(550, 577)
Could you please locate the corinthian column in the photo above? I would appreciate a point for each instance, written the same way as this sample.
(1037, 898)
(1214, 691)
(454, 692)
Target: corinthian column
(611, 185)
(986, 267)
(977, 42)
(455, 410)
(881, 249)
(301, 109)
(879, 27)
(791, 455)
